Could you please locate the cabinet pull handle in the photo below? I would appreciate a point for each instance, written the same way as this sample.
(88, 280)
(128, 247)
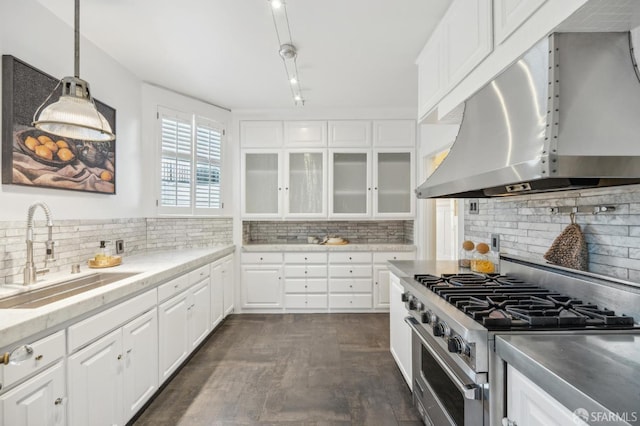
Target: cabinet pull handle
(286, 189)
(376, 188)
(39, 357)
(58, 401)
(129, 350)
(119, 357)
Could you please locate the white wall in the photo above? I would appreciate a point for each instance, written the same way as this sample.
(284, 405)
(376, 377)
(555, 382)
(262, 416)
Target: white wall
(31, 33)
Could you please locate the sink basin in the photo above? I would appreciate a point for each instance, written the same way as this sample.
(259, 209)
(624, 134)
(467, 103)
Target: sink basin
(62, 290)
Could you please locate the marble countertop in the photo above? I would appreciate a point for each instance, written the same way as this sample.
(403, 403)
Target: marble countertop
(597, 373)
(328, 248)
(151, 268)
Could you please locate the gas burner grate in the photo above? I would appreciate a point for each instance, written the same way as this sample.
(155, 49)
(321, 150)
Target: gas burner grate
(428, 280)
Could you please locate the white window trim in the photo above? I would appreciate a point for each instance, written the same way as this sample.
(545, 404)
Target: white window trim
(194, 118)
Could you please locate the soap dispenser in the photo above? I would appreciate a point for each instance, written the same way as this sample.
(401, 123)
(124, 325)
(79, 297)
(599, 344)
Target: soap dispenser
(103, 251)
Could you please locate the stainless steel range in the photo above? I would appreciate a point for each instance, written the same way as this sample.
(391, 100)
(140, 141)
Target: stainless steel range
(457, 378)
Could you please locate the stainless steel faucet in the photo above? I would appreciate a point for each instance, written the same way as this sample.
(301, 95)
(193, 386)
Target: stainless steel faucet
(30, 271)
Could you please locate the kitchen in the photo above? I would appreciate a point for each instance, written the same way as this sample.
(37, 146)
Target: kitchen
(342, 165)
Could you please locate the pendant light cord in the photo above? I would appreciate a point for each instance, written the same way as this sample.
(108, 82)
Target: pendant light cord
(76, 64)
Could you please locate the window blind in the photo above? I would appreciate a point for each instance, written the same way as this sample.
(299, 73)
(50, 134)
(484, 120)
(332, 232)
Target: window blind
(176, 176)
(208, 158)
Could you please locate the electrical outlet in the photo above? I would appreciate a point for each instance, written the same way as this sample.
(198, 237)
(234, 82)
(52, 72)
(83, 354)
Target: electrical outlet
(119, 246)
(495, 242)
(474, 206)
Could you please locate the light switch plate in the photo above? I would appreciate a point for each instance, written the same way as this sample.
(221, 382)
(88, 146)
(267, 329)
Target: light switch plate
(474, 206)
(495, 242)
(119, 246)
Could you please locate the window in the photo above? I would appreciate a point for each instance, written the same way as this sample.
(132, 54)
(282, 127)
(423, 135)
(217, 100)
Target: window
(190, 164)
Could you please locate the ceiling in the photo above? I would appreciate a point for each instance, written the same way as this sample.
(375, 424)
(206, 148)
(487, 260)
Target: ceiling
(351, 54)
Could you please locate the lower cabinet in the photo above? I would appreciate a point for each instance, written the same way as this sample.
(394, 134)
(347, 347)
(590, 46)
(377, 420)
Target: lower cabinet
(262, 286)
(113, 377)
(183, 323)
(399, 331)
(381, 287)
(229, 280)
(222, 289)
(530, 405)
(38, 401)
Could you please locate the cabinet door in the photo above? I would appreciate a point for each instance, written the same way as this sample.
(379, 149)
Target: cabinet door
(173, 340)
(306, 186)
(350, 133)
(199, 313)
(381, 287)
(394, 133)
(38, 401)
(305, 134)
(350, 183)
(467, 38)
(95, 383)
(508, 15)
(229, 278)
(261, 286)
(140, 344)
(262, 187)
(217, 293)
(529, 405)
(261, 134)
(430, 74)
(399, 332)
(393, 187)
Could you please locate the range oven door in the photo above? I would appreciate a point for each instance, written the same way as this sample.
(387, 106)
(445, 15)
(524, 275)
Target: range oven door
(442, 392)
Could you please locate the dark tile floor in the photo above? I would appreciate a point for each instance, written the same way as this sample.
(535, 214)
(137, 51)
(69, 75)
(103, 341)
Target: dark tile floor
(293, 369)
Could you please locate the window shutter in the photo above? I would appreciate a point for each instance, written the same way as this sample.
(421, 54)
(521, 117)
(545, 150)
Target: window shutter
(208, 159)
(176, 176)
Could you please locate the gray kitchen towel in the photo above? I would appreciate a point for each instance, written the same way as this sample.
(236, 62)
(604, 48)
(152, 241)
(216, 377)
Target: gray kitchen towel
(569, 249)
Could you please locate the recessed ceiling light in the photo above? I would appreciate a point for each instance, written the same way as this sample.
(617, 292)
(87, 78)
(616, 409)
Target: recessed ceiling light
(276, 4)
(298, 98)
(293, 80)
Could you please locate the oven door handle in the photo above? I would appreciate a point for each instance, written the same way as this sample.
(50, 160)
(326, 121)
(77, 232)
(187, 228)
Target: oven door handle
(469, 390)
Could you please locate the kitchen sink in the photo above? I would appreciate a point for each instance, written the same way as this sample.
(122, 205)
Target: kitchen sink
(61, 290)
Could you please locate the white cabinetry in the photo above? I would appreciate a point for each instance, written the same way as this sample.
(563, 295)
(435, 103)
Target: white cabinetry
(305, 133)
(393, 172)
(459, 43)
(261, 183)
(399, 331)
(350, 133)
(508, 15)
(183, 322)
(305, 281)
(305, 186)
(38, 401)
(381, 276)
(350, 279)
(261, 134)
(350, 183)
(261, 280)
(529, 405)
(222, 289)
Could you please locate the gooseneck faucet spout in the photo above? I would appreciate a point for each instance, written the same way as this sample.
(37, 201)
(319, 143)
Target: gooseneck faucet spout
(30, 271)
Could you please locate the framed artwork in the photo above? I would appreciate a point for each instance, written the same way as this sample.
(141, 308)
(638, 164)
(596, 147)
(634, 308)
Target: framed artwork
(32, 157)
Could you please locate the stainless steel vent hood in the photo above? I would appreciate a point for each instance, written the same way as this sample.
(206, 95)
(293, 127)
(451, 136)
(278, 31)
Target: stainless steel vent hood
(564, 116)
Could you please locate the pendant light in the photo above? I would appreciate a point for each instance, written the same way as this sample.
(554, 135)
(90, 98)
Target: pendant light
(74, 115)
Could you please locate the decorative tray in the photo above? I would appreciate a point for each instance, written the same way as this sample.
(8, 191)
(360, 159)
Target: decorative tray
(107, 262)
(338, 243)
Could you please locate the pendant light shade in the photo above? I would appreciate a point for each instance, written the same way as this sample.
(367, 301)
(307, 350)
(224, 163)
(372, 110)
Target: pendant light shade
(75, 114)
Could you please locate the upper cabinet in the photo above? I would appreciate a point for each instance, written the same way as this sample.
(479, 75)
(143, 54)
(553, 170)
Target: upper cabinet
(367, 171)
(508, 15)
(261, 134)
(350, 133)
(304, 134)
(459, 43)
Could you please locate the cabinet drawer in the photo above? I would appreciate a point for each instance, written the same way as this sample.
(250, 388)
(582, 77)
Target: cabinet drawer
(305, 286)
(173, 287)
(45, 352)
(268, 257)
(199, 274)
(383, 257)
(302, 271)
(100, 324)
(358, 285)
(305, 258)
(303, 301)
(350, 301)
(350, 257)
(348, 271)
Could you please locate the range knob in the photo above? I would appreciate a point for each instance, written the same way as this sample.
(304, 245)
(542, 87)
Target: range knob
(412, 303)
(419, 306)
(441, 329)
(426, 317)
(455, 345)
(405, 296)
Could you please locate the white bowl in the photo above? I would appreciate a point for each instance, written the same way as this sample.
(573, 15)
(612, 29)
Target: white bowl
(335, 240)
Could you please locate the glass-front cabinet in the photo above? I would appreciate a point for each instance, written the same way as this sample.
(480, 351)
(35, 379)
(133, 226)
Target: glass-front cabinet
(262, 184)
(393, 191)
(306, 186)
(350, 182)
